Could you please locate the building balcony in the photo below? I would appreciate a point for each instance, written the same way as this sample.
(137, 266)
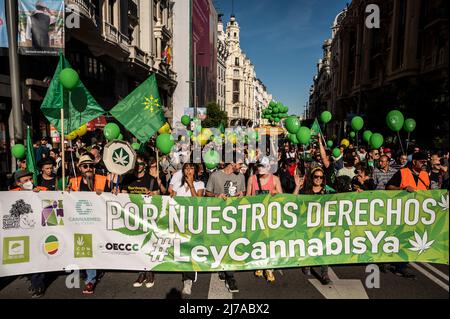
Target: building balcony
(138, 56)
(86, 8)
(112, 34)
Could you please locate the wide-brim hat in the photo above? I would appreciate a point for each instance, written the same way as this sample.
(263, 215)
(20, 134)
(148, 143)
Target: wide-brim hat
(20, 174)
(85, 159)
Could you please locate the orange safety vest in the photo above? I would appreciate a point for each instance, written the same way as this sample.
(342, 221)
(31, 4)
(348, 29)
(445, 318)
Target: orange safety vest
(99, 183)
(408, 180)
(41, 188)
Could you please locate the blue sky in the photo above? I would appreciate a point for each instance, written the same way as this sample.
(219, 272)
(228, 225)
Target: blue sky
(283, 39)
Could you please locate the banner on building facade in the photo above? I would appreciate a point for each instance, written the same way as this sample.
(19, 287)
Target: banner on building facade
(3, 29)
(41, 27)
(53, 231)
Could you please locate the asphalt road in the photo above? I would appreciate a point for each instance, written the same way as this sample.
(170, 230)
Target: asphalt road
(349, 282)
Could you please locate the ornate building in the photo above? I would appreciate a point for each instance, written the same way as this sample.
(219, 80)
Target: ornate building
(118, 45)
(402, 65)
(222, 56)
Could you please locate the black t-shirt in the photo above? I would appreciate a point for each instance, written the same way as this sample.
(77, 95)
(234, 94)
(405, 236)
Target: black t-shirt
(287, 182)
(368, 185)
(134, 185)
(50, 184)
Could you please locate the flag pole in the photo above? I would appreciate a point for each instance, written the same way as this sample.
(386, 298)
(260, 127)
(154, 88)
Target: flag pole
(63, 155)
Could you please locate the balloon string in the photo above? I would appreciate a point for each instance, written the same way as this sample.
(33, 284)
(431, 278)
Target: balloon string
(407, 142)
(400, 141)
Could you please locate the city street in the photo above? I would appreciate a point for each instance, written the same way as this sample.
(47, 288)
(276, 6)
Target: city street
(431, 283)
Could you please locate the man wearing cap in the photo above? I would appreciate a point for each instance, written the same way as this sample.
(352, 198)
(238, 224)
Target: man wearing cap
(88, 182)
(24, 182)
(225, 183)
(38, 26)
(411, 179)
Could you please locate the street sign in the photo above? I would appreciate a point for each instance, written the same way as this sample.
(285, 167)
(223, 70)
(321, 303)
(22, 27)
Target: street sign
(119, 157)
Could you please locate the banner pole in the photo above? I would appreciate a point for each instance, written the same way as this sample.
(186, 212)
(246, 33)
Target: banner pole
(63, 155)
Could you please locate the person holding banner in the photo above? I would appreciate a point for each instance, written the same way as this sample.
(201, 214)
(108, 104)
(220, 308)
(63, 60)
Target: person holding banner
(315, 186)
(189, 187)
(225, 183)
(263, 182)
(24, 182)
(141, 182)
(412, 178)
(88, 182)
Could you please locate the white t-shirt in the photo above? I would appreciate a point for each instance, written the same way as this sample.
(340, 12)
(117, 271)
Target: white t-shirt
(184, 191)
(176, 178)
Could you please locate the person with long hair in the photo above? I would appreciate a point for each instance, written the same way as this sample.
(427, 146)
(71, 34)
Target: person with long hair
(315, 186)
(264, 182)
(190, 186)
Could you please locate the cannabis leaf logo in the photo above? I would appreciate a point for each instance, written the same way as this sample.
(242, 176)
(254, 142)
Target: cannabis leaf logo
(80, 241)
(121, 157)
(444, 202)
(151, 103)
(421, 244)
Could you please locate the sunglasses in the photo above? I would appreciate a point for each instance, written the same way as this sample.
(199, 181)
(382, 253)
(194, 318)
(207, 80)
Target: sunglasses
(318, 177)
(86, 166)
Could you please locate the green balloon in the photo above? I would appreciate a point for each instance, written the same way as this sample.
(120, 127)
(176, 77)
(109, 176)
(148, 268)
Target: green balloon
(336, 152)
(272, 104)
(357, 123)
(330, 144)
(164, 143)
(304, 135)
(277, 119)
(275, 110)
(185, 120)
(18, 151)
(376, 140)
(395, 120)
(111, 131)
(352, 134)
(292, 124)
(410, 125)
(284, 115)
(136, 146)
(366, 136)
(269, 111)
(325, 117)
(211, 159)
(69, 78)
(293, 138)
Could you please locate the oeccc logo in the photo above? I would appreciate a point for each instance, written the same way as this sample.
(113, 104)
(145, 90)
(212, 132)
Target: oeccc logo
(118, 248)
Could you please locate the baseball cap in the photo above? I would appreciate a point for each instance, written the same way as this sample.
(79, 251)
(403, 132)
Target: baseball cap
(21, 174)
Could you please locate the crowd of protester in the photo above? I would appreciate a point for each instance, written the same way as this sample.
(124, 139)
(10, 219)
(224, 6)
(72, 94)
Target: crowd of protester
(294, 170)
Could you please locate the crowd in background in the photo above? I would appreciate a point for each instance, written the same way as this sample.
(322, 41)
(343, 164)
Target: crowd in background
(291, 169)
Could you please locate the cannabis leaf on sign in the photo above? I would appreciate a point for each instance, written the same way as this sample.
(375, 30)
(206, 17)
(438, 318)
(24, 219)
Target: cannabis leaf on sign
(80, 241)
(421, 244)
(444, 202)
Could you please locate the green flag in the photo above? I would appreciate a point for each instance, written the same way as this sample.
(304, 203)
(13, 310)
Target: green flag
(315, 129)
(31, 162)
(141, 111)
(79, 105)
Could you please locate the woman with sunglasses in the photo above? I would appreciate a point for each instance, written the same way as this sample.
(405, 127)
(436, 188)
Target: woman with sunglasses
(141, 182)
(315, 186)
(189, 187)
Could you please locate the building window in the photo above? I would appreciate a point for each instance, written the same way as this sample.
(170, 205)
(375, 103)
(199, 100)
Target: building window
(235, 35)
(155, 12)
(111, 11)
(236, 73)
(236, 62)
(235, 111)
